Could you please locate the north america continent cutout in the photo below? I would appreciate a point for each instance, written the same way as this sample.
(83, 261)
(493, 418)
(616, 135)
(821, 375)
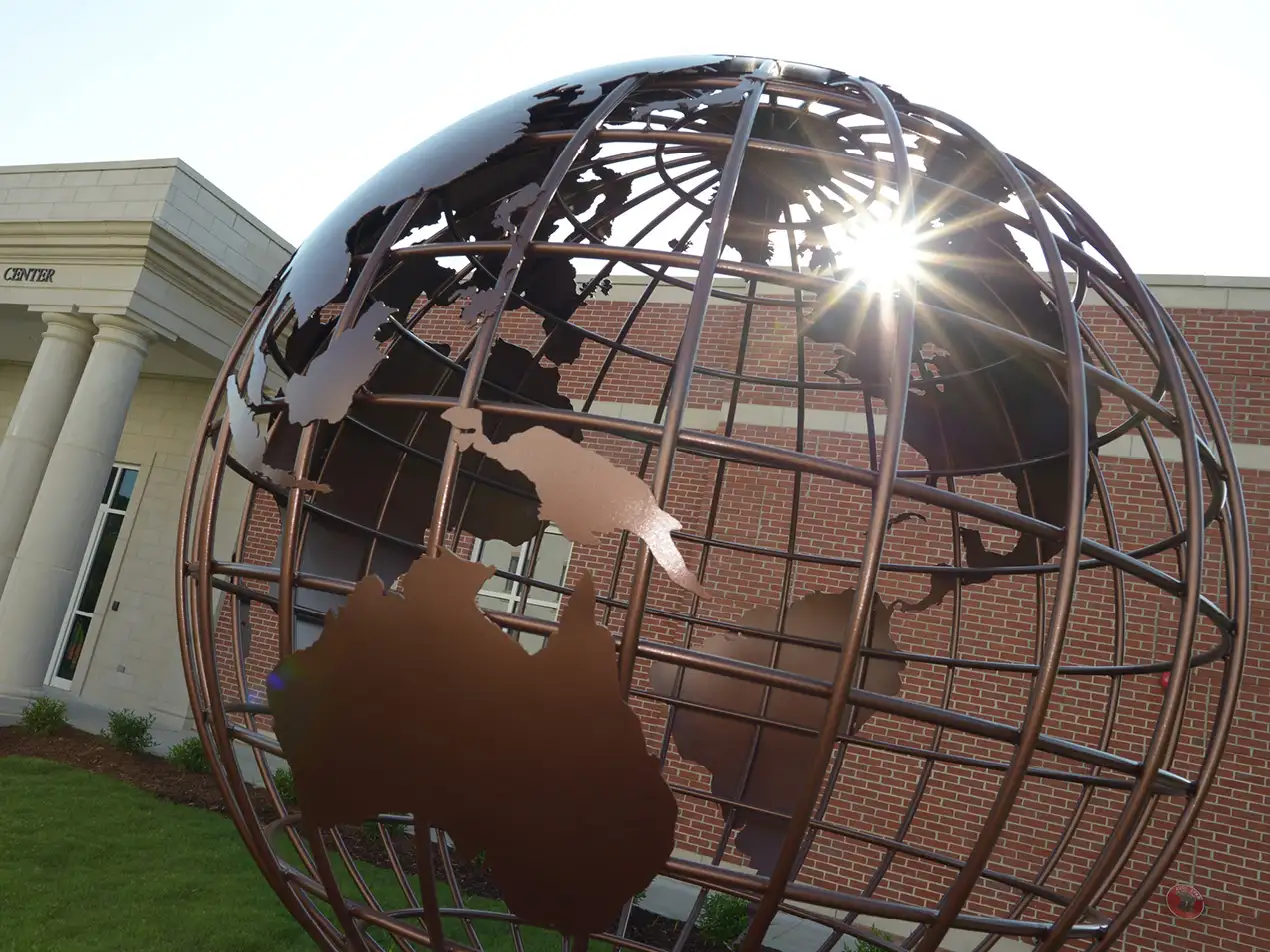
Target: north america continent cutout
(416, 703)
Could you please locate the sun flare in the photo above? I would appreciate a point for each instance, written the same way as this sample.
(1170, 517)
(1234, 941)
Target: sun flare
(883, 256)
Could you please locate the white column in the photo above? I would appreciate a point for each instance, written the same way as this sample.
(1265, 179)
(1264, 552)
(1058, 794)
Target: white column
(41, 409)
(49, 556)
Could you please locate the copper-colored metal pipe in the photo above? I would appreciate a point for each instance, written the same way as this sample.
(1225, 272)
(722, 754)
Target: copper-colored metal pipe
(742, 118)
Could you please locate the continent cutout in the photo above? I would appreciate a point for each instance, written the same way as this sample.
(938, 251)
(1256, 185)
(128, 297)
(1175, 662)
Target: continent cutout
(783, 759)
(580, 491)
(983, 405)
(520, 200)
(416, 703)
(248, 442)
(320, 267)
(325, 390)
(483, 303)
(729, 96)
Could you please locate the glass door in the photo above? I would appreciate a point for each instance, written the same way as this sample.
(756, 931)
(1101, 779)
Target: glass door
(92, 575)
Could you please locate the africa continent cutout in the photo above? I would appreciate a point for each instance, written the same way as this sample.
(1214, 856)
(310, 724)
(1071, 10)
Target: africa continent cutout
(580, 491)
(417, 703)
(784, 759)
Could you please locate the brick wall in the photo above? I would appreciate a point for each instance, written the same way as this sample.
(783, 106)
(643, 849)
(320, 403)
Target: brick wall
(875, 797)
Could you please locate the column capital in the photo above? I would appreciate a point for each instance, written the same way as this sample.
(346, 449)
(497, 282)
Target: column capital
(123, 330)
(72, 328)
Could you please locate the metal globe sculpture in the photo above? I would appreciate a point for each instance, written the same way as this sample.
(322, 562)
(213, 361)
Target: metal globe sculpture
(862, 612)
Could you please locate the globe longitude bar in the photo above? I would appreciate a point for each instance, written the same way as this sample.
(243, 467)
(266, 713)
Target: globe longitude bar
(1075, 519)
(1126, 835)
(507, 277)
(888, 467)
(1235, 558)
(197, 652)
(685, 358)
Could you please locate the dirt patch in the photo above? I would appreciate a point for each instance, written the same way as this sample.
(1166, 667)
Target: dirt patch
(156, 776)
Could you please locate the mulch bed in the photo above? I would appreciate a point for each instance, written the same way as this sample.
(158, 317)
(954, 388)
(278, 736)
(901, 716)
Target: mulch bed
(144, 771)
(160, 778)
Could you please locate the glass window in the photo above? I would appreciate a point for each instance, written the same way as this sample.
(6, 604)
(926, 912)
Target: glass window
(101, 561)
(505, 558)
(92, 578)
(553, 559)
(493, 603)
(123, 491)
(551, 565)
(74, 645)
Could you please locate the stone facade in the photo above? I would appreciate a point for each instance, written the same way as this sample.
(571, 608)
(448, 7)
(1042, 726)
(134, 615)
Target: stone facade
(123, 285)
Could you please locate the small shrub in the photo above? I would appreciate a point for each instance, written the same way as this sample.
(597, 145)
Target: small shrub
(285, 782)
(723, 919)
(129, 731)
(188, 755)
(864, 945)
(44, 715)
(370, 829)
(640, 896)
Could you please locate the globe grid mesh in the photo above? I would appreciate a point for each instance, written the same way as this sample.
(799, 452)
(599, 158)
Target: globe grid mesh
(691, 165)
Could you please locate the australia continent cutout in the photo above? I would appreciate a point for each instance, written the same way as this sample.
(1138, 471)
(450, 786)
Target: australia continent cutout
(414, 702)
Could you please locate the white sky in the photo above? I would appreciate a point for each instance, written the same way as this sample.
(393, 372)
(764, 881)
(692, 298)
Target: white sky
(1153, 114)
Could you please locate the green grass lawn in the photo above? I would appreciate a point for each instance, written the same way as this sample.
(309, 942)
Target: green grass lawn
(91, 864)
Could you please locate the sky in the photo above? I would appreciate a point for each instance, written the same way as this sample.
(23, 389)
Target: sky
(1154, 115)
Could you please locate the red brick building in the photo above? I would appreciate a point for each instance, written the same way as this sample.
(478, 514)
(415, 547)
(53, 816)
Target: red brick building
(874, 820)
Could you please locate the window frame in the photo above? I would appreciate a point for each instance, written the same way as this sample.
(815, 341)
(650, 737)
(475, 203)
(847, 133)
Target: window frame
(511, 597)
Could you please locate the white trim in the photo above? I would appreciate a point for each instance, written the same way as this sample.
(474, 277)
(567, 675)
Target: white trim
(104, 511)
(1249, 456)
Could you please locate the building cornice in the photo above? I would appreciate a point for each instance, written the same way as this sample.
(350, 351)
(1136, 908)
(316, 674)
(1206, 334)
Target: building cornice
(76, 242)
(90, 166)
(176, 261)
(137, 244)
